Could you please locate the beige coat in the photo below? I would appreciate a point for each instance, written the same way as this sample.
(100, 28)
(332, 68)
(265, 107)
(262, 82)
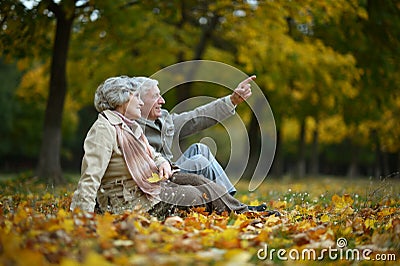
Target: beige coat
(104, 174)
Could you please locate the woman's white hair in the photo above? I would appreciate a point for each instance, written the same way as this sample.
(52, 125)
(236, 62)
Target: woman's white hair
(114, 92)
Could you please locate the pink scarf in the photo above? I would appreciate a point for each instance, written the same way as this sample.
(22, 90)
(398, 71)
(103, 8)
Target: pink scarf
(138, 158)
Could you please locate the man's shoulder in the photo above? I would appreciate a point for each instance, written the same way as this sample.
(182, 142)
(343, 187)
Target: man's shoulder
(165, 118)
(164, 113)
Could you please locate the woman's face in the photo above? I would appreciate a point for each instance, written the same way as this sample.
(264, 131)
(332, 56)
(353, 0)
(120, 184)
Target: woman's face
(132, 108)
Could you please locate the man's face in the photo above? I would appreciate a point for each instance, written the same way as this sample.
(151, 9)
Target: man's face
(153, 102)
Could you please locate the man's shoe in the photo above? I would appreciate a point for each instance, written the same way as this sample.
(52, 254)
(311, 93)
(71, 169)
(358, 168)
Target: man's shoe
(258, 208)
(263, 208)
(276, 213)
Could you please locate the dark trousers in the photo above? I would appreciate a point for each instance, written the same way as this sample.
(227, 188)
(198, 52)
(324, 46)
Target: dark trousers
(185, 190)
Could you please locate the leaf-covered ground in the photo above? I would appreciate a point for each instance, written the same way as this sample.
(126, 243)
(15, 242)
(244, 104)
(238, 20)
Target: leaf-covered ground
(335, 218)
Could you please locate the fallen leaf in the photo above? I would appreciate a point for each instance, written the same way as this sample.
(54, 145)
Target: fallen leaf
(154, 178)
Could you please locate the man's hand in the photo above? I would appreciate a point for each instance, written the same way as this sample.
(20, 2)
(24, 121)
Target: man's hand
(164, 170)
(242, 91)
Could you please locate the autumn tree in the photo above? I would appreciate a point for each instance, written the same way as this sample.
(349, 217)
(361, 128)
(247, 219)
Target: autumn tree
(25, 34)
(307, 56)
(370, 33)
(300, 75)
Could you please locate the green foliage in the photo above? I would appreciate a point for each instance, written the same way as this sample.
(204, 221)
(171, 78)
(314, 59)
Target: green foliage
(331, 62)
(368, 33)
(10, 78)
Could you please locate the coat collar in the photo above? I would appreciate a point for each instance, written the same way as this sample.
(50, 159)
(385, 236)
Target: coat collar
(114, 120)
(150, 123)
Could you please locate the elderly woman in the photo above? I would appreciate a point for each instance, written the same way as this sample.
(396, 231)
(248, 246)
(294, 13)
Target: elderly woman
(121, 171)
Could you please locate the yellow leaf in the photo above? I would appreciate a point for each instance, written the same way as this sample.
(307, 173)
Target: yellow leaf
(227, 239)
(272, 220)
(7, 226)
(48, 196)
(348, 231)
(254, 203)
(154, 178)
(95, 259)
(370, 223)
(244, 198)
(54, 227)
(336, 199)
(62, 213)
(240, 219)
(347, 199)
(68, 262)
(279, 204)
(343, 204)
(200, 217)
(21, 215)
(237, 256)
(229, 234)
(29, 257)
(388, 225)
(105, 227)
(386, 212)
(325, 218)
(68, 225)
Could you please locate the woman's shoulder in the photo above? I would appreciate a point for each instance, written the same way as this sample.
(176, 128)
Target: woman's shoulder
(102, 125)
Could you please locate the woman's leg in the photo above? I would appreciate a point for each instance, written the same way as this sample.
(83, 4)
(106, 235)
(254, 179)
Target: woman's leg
(175, 196)
(215, 195)
(185, 190)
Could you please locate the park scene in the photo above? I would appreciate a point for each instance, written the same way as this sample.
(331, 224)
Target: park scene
(199, 132)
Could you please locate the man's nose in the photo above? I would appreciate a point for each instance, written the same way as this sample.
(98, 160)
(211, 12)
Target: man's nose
(161, 100)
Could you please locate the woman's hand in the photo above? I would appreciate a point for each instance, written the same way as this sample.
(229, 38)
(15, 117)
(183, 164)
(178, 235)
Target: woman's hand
(164, 170)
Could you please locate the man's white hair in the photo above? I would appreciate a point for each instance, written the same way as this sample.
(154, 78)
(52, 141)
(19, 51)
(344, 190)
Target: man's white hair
(145, 84)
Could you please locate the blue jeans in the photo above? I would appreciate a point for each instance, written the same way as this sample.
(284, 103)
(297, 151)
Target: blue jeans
(198, 159)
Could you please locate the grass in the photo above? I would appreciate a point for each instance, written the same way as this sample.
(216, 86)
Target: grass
(320, 189)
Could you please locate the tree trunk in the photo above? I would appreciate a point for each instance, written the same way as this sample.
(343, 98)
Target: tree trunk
(301, 163)
(315, 154)
(255, 145)
(184, 90)
(49, 165)
(386, 166)
(353, 167)
(278, 167)
(381, 158)
(206, 34)
(398, 162)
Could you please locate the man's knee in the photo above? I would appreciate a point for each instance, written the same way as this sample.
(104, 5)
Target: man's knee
(199, 148)
(194, 162)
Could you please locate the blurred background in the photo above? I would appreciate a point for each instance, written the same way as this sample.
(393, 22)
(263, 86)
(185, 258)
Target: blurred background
(329, 69)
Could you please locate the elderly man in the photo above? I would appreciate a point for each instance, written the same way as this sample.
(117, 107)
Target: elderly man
(160, 128)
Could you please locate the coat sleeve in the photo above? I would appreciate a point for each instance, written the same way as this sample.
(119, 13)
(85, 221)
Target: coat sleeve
(98, 147)
(202, 117)
(157, 157)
